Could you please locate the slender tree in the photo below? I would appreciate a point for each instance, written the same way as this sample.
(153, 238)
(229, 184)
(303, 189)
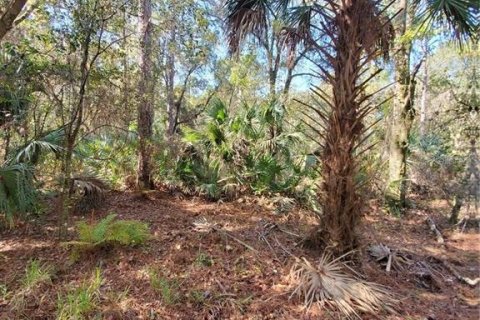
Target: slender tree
(459, 16)
(145, 111)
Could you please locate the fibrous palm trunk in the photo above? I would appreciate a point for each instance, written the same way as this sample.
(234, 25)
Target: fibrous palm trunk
(145, 112)
(353, 46)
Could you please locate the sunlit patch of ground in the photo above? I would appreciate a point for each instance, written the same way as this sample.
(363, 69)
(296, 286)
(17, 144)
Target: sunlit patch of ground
(211, 276)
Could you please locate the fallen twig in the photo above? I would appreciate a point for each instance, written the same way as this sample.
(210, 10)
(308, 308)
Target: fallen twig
(470, 282)
(434, 228)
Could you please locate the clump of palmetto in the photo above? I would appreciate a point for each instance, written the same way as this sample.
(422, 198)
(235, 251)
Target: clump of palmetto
(327, 284)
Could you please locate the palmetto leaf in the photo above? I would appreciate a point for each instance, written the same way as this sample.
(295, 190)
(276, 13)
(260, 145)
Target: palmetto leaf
(17, 193)
(245, 17)
(461, 15)
(328, 285)
(31, 151)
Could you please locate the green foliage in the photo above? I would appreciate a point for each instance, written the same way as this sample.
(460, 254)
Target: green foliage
(204, 260)
(168, 289)
(17, 193)
(30, 152)
(77, 303)
(36, 273)
(111, 231)
(252, 150)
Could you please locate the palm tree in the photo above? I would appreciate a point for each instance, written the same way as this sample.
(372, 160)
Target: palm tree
(351, 33)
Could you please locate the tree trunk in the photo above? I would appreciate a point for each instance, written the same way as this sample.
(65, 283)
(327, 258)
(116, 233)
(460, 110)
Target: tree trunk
(403, 114)
(172, 107)
(145, 112)
(72, 129)
(9, 16)
(341, 203)
(423, 103)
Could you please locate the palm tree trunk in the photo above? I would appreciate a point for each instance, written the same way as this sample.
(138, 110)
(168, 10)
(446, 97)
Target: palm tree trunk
(145, 110)
(341, 202)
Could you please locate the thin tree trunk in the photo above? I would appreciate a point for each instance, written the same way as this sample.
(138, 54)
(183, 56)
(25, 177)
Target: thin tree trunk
(145, 111)
(423, 103)
(72, 129)
(403, 114)
(9, 16)
(172, 107)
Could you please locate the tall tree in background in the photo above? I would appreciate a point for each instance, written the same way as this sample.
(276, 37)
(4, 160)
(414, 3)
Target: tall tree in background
(145, 111)
(459, 15)
(186, 41)
(7, 17)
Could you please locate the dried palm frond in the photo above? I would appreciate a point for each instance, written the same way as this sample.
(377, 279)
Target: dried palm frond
(203, 225)
(91, 191)
(391, 258)
(328, 285)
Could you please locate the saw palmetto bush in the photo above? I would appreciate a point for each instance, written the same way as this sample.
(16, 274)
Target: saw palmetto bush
(328, 285)
(17, 192)
(238, 151)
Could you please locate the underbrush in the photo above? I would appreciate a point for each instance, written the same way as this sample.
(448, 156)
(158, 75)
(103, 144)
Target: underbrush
(109, 231)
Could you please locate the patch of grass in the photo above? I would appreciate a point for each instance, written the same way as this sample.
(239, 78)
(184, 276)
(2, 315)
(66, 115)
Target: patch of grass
(168, 289)
(197, 297)
(4, 293)
(36, 273)
(77, 303)
(204, 259)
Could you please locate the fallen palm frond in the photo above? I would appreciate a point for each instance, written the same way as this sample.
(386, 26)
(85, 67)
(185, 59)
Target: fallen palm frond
(391, 258)
(423, 268)
(204, 226)
(328, 285)
(91, 191)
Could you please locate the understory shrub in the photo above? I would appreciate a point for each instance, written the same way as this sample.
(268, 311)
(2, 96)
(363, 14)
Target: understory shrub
(111, 231)
(252, 150)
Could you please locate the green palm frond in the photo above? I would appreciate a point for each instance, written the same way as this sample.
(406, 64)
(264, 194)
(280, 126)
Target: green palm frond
(461, 16)
(17, 194)
(31, 151)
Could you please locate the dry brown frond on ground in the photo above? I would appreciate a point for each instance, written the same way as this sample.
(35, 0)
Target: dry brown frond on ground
(328, 285)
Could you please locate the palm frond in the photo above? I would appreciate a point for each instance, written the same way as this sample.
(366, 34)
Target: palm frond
(461, 16)
(328, 285)
(245, 17)
(31, 151)
(17, 193)
(91, 190)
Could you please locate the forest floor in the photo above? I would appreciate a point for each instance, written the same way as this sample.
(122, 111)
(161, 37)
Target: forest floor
(212, 276)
